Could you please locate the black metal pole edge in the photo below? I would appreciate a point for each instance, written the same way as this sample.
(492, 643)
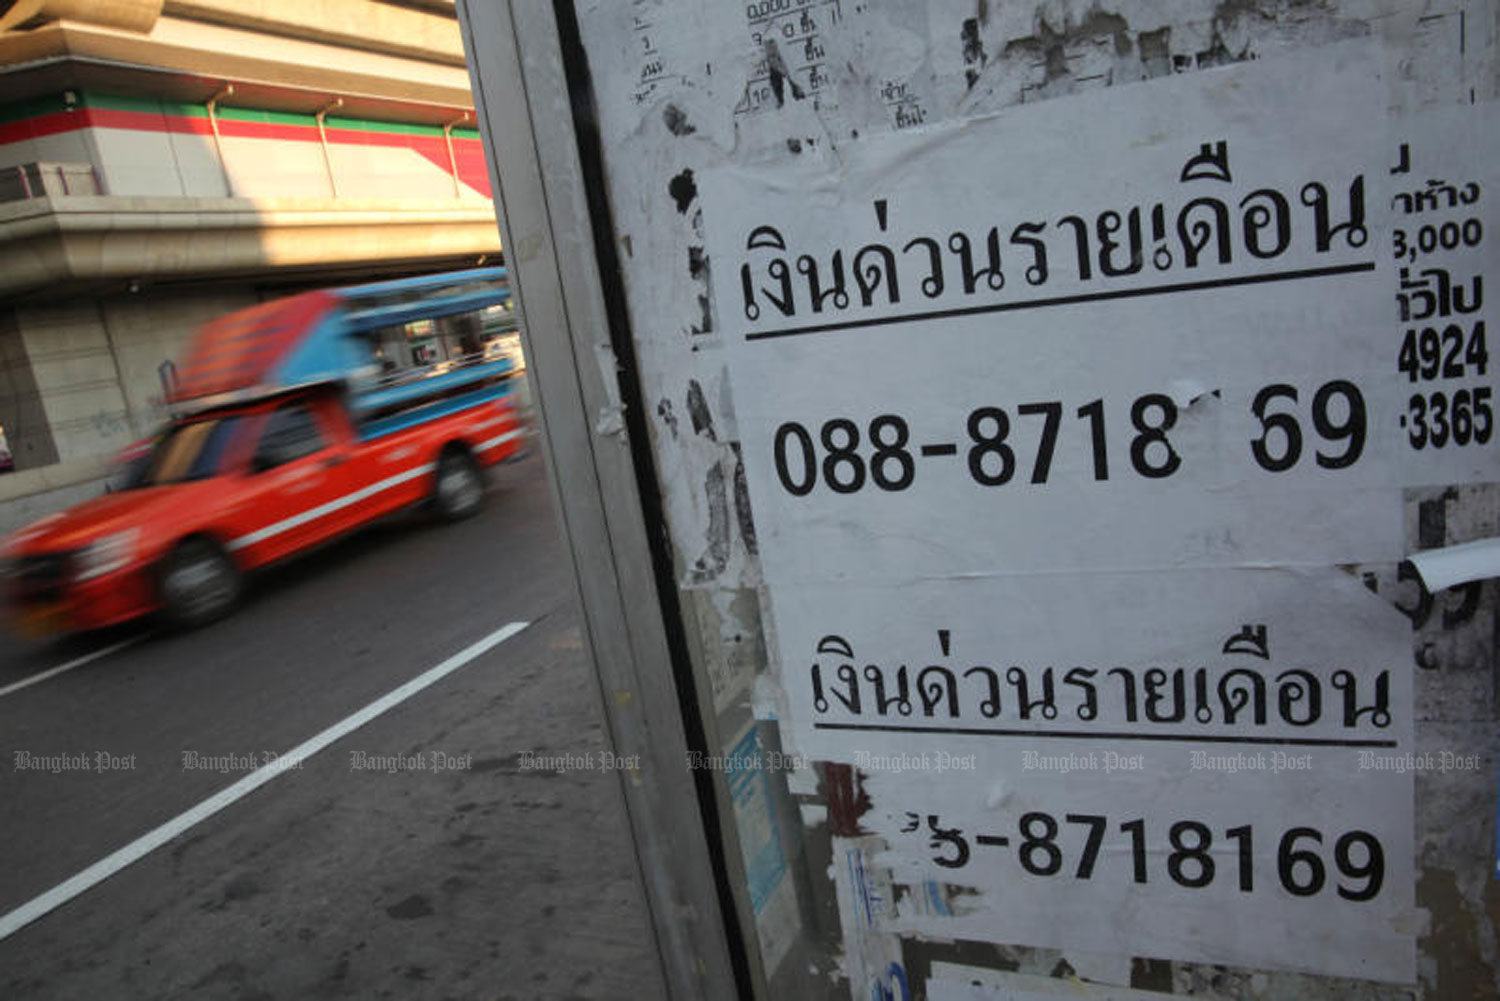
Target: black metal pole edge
(591, 159)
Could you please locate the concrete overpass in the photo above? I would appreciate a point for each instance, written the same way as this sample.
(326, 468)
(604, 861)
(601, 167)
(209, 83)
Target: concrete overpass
(162, 162)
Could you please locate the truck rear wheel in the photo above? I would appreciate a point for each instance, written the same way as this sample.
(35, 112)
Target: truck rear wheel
(458, 487)
(199, 583)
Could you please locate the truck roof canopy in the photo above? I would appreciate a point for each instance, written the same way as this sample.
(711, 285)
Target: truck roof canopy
(316, 337)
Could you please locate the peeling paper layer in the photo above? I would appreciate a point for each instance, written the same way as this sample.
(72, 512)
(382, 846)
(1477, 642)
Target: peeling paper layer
(1452, 565)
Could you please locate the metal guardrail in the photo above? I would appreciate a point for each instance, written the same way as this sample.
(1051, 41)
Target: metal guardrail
(48, 180)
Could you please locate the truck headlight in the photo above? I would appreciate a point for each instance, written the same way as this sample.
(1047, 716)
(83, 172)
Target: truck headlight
(106, 555)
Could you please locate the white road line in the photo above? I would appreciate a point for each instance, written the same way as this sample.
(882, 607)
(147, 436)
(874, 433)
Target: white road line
(149, 842)
(53, 672)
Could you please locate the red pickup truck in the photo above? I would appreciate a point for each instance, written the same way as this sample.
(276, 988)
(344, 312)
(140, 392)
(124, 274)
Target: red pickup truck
(287, 436)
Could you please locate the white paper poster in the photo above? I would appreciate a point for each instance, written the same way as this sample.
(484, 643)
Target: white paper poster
(1056, 425)
(951, 982)
(1209, 765)
(1167, 306)
(1440, 192)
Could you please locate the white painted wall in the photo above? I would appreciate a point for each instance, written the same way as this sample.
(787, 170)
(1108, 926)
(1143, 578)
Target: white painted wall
(139, 163)
(96, 363)
(76, 376)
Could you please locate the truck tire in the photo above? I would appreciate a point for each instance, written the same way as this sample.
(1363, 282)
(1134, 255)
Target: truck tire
(458, 486)
(199, 583)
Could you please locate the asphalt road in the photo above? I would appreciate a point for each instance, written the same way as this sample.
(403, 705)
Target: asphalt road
(346, 876)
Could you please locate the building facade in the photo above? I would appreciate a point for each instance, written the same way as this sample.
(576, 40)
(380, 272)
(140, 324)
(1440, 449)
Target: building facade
(163, 162)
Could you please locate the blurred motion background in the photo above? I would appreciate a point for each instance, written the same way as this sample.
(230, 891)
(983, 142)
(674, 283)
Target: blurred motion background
(164, 162)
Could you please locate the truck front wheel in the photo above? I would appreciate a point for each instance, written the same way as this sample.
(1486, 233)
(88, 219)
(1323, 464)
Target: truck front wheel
(458, 488)
(199, 583)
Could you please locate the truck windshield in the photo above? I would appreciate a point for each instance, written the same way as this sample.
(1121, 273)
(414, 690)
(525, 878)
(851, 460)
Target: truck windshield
(191, 451)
